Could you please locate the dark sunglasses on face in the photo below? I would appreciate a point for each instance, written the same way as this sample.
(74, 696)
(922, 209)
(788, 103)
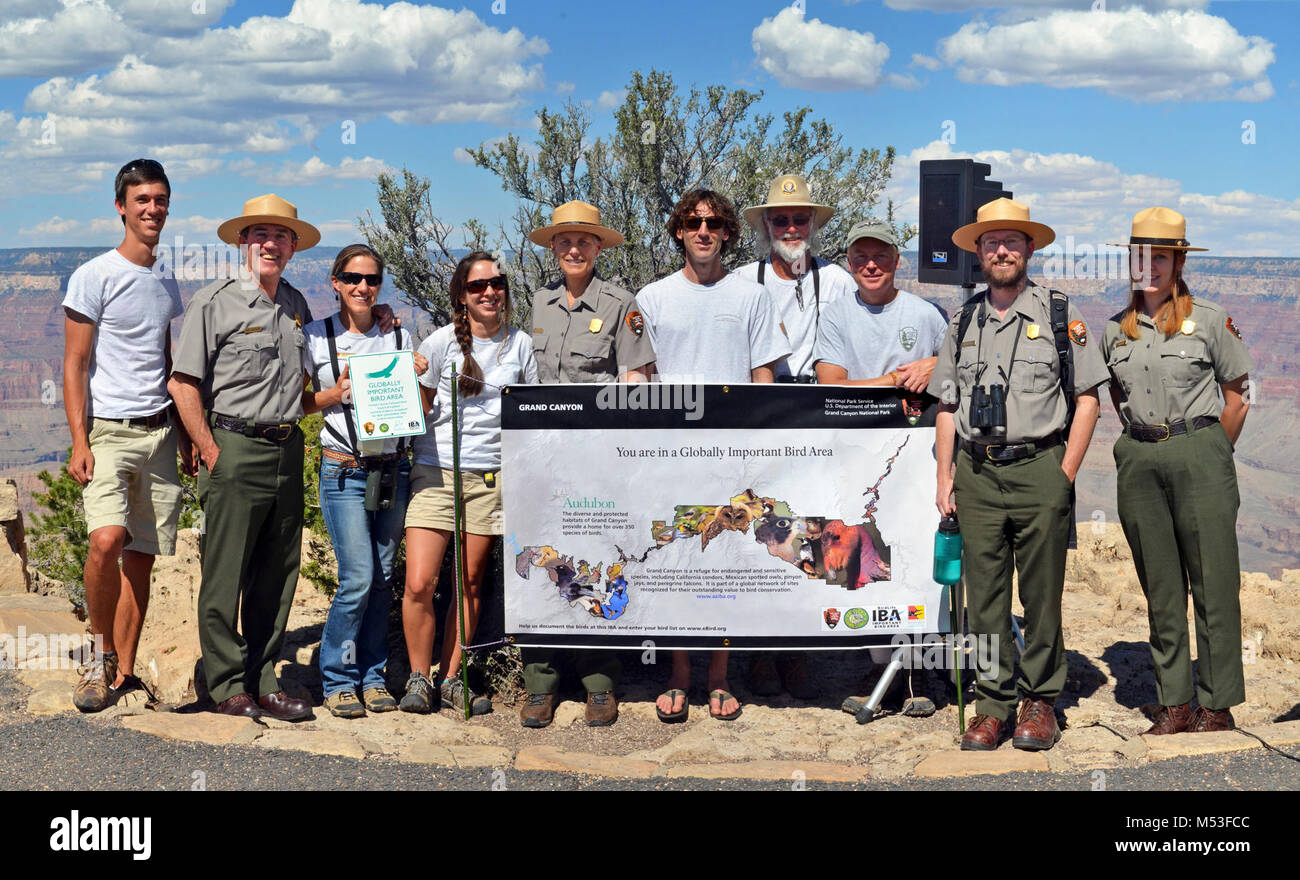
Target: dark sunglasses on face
(357, 277)
(693, 223)
(782, 221)
(498, 283)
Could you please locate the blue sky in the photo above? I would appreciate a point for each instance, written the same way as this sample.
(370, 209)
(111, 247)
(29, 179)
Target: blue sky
(1088, 115)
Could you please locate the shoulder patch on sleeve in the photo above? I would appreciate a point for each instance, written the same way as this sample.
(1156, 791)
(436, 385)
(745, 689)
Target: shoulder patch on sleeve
(1078, 333)
(635, 322)
(1232, 328)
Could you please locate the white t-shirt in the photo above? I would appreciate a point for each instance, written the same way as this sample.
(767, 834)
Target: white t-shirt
(869, 341)
(506, 359)
(132, 308)
(801, 324)
(711, 332)
(316, 361)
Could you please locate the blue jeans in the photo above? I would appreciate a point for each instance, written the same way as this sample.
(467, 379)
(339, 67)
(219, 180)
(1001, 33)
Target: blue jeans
(354, 645)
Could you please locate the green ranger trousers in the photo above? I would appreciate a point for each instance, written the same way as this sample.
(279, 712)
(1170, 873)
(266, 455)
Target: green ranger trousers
(1178, 505)
(1018, 514)
(599, 670)
(252, 539)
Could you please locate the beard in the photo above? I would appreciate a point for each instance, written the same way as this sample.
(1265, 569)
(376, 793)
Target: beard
(1012, 274)
(797, 253)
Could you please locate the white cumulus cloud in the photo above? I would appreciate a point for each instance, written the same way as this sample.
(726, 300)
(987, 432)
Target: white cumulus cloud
(805, 53)
(1201, 57)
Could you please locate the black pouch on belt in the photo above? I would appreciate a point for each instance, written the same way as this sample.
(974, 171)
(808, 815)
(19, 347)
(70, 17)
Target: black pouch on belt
(381, 486)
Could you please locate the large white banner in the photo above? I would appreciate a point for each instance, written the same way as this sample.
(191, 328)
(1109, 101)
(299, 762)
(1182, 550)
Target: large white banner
(740, 516)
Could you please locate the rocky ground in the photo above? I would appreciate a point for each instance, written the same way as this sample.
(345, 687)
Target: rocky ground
(1110, 683)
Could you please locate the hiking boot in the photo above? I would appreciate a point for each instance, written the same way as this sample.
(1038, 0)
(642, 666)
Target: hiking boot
(344, 704)
(378, 699)
(93, 693)
(538, 710)
(419, 696)
(794, 672)
(1207, 720)
(1171, 719)
(452, 692)
(1036, 728)
(602, 708)
(763, 678)
(984, 734)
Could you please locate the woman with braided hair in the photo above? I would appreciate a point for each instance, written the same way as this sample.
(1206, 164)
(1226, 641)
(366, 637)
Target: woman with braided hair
(487, 353)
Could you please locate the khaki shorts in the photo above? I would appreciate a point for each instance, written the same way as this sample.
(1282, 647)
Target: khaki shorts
(135, 485)
(431, 501)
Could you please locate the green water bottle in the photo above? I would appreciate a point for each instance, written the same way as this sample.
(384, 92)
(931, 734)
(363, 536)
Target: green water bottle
(947, 551)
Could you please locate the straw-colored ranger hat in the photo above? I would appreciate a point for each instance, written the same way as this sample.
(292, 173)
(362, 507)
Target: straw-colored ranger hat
(576, 217)
(788, 191)
(1002, 214)
(1159, 227)
(270, 208)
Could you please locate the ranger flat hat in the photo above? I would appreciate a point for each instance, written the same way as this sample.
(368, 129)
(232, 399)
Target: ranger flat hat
(270, 208)
(576, 217)
(788, 191)
(1159, 227)
(1002, 214)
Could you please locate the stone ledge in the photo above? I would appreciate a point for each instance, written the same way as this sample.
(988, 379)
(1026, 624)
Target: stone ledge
(204, 727)
(559, 760)
(959, 763)
(774, 771)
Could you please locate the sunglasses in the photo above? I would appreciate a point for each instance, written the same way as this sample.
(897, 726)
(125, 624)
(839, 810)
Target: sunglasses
(693, 223)
(498, 283)
(782, 221)
(357, 277)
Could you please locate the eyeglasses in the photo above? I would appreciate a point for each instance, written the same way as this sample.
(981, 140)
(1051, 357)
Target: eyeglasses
(500, 283)
(783, 221)
(1015, 243)
(693, 223)
(357, 277)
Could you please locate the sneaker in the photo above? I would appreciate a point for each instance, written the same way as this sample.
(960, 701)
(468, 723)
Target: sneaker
(344, 704)
(538, 710)
(378, 699)
(419, 695)
(453, 697)
(602, 708)
(93, 693)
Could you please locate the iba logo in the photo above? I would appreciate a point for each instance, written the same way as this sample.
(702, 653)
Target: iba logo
(886, 617)
(831, 616)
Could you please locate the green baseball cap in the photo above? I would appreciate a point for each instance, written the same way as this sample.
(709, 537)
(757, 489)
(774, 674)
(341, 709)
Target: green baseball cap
(872, 229)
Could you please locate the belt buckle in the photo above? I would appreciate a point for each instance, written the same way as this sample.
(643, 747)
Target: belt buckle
(988, 450)
(282, 432)
(1168, 434)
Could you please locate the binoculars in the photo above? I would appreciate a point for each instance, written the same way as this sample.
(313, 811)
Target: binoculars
(988, 410)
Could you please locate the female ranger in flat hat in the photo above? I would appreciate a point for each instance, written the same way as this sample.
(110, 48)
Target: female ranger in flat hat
(1169, 356)
(585, 329)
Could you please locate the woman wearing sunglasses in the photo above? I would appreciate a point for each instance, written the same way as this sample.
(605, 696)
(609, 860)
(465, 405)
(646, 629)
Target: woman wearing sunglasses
(354, 643)
(487, 353)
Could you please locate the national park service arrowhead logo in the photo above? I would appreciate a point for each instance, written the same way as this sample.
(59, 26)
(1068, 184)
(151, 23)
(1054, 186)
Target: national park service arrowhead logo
(1232, 328)
(907, 336)
(831, 616)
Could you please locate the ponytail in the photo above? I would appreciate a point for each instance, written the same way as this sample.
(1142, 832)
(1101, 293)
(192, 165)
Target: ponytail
(471, 374)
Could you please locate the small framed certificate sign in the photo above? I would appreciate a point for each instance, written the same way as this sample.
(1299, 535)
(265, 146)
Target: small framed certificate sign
(386, 395)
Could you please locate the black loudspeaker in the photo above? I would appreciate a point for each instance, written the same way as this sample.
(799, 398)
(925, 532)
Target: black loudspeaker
(952, 190)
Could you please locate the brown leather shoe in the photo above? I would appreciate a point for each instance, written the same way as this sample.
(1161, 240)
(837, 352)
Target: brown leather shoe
(1036, 728)
(286, 708)
(984, 734)
(602, 708)
(1209, 720)
(538, 710)
(240, 704)
(1171, 719)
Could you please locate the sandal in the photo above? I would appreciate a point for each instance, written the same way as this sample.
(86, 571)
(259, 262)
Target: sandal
(722, 697)
(674, 717)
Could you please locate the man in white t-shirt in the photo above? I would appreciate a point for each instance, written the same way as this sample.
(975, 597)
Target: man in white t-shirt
(802, 285)
(117, 356)
(879, 336)
(708, 325)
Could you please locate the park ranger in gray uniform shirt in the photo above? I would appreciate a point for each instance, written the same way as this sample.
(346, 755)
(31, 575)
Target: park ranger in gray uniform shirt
(240, 360)
(1013, 490)
(585, 329)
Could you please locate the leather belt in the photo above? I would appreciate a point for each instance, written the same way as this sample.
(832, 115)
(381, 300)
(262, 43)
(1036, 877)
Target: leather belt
(249, 428)
(366, 462)
(797, 380)
(157, 420)
(1156, 433)
(1001, 453)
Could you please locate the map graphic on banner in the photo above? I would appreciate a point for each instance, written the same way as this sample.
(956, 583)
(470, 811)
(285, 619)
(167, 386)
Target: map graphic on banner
(718, 525)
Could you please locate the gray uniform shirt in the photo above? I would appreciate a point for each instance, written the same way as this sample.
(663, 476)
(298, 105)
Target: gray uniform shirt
(245, 350)
(1035, 404)
(1162, 380)
(600, 338)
